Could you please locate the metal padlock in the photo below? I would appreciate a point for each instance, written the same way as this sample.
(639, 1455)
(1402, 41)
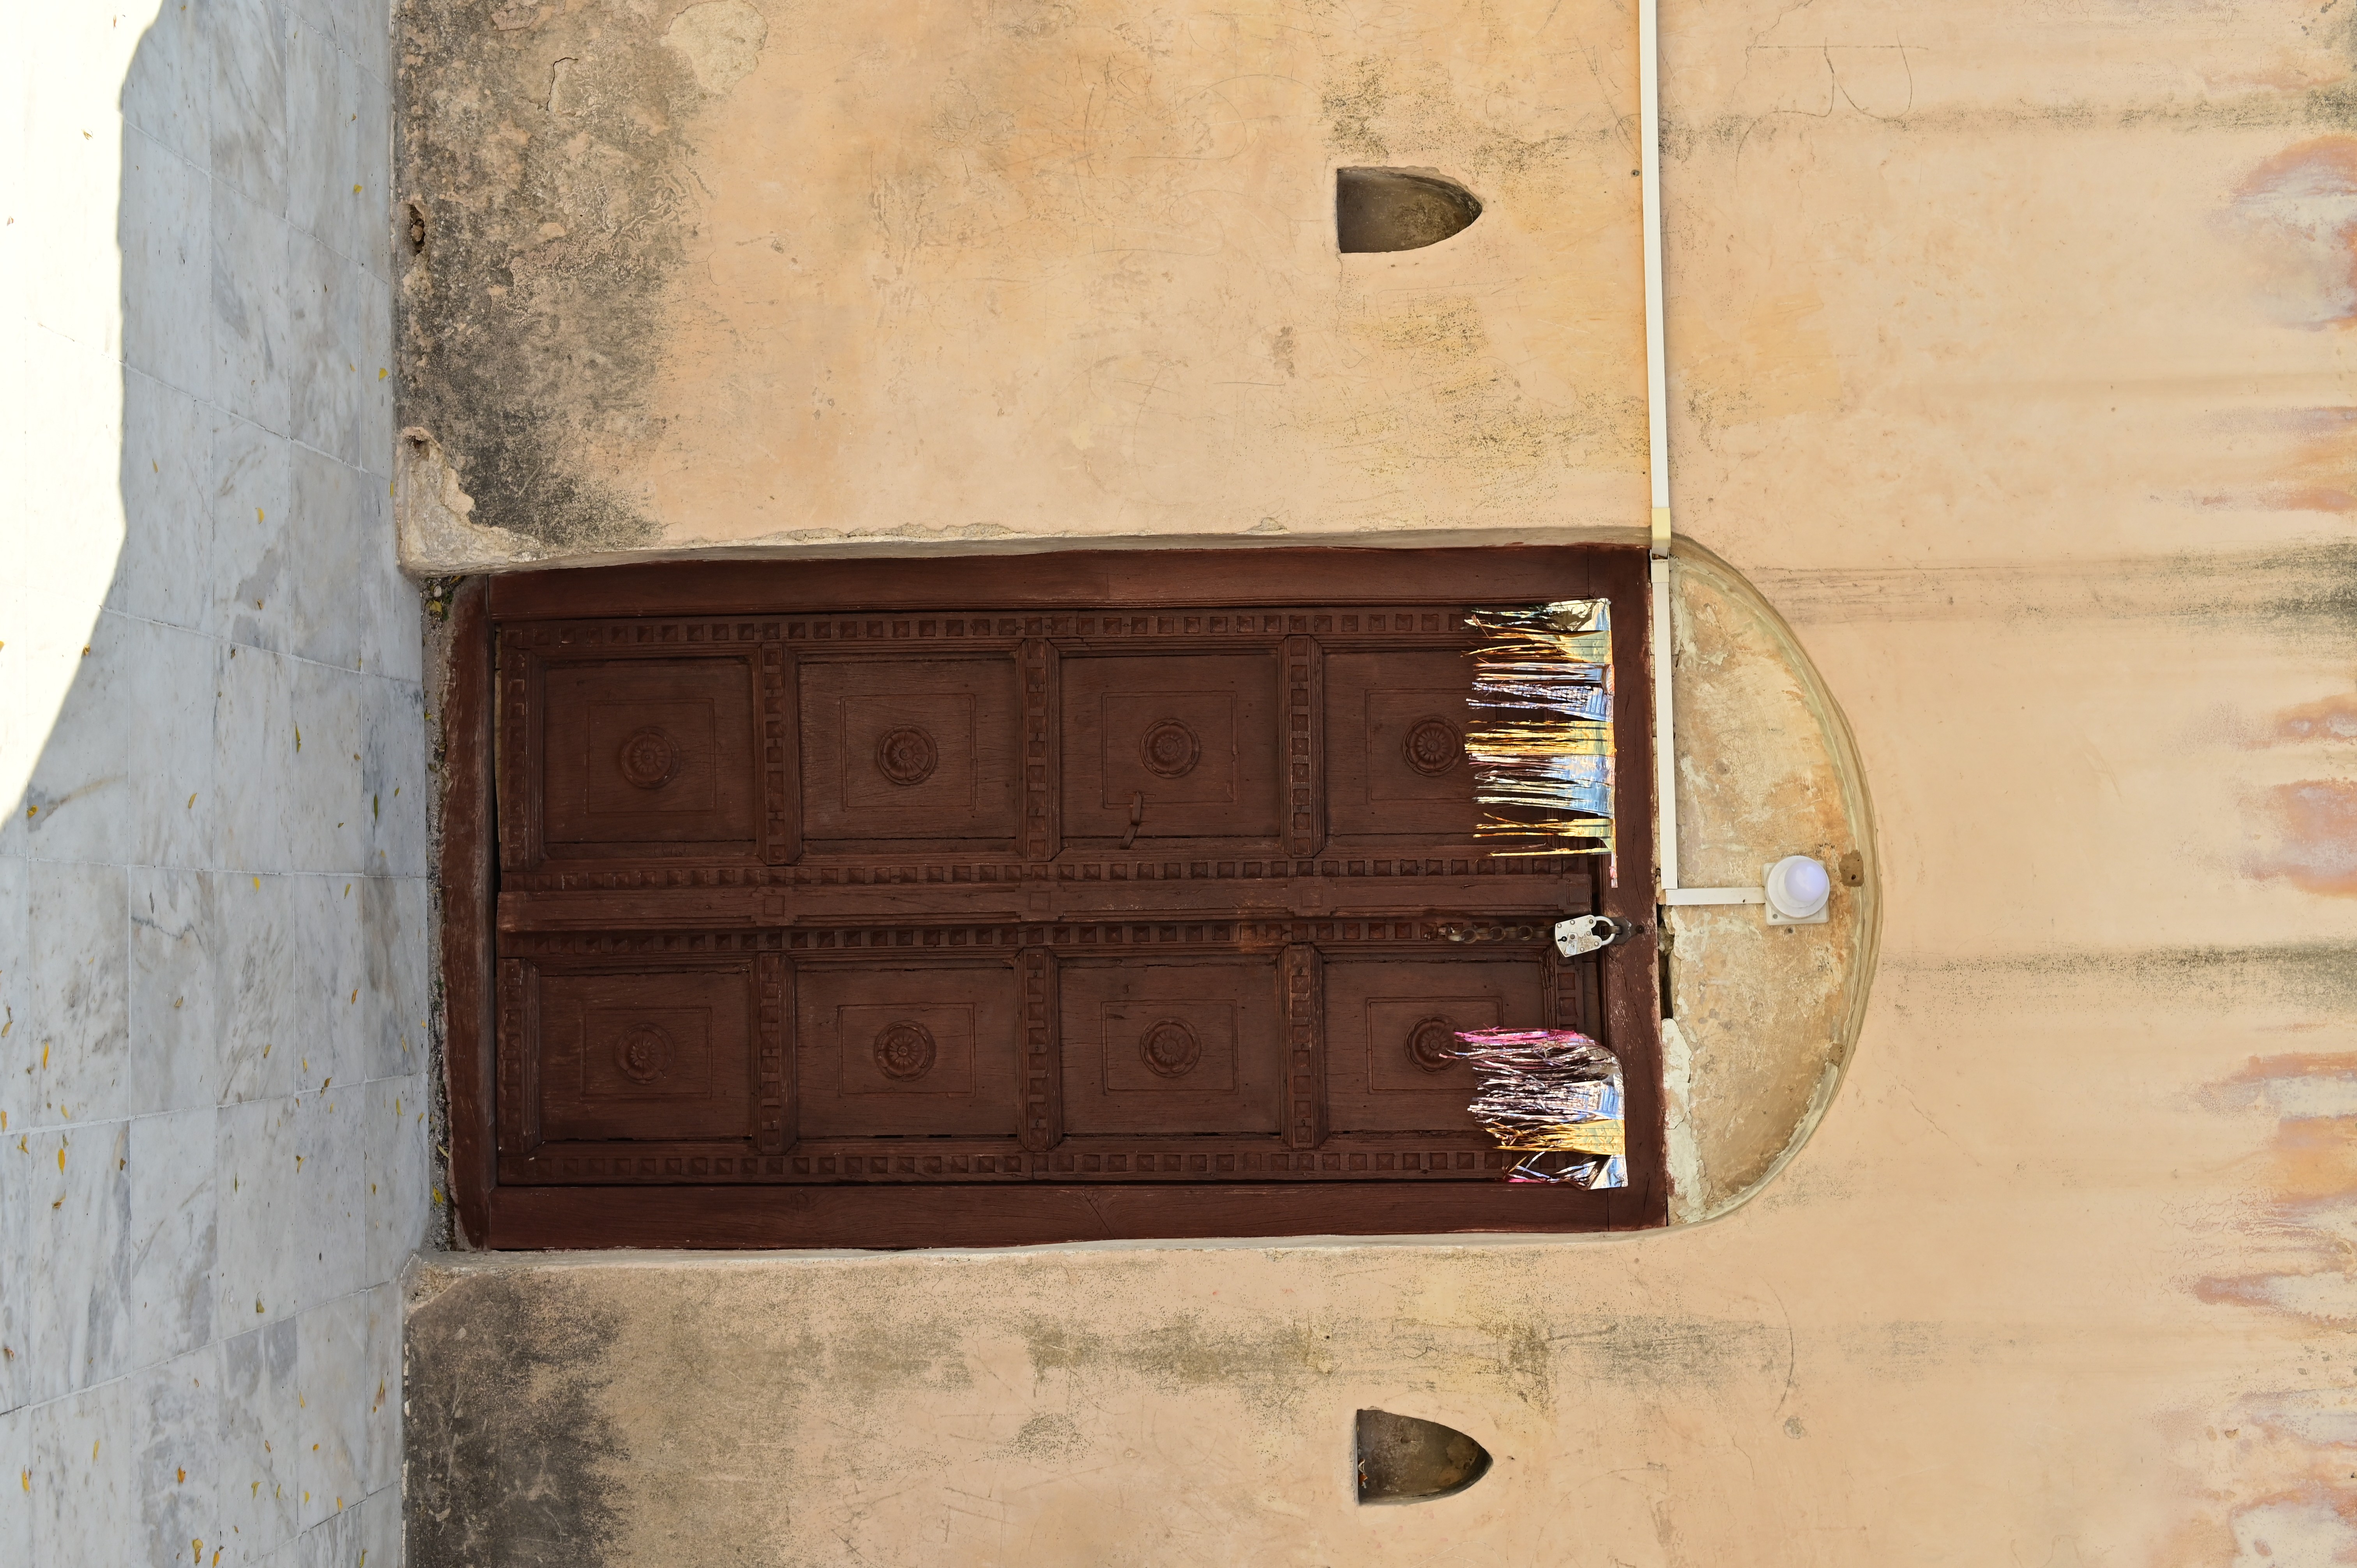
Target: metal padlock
(1585, 934)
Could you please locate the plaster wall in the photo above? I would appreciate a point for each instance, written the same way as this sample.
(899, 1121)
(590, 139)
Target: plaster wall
(213, 942)
(2009, 345)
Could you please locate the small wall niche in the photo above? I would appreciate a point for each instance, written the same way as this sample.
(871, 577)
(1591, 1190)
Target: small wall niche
(1398, 209)
(1406, 1459)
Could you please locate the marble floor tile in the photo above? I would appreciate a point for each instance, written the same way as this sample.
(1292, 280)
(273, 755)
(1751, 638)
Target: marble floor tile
(333, 1543)
(334, 821)
(394, 912)
(164, 231)
(380, 1454)
(290, 1188)
(291, 732)
(84, 1468)
(373, 436)
(169, 755)
(392, 779)
(380, 1539)
(334, 600)
(286, 984)
(66, 1055)
(248, 53)
(165, 570)
(20, 1018)
(253, 485)
(366, 234)
(81, 788)
(259, 1441)
(175, 1410)
(334, 1379)
(253, 743)
(251, 353)
(173, 1231)
(71, 1192)
(397, 1173)
(167, 91)
(321, 130)
(176, 937)
(16, 1485)
(131, 745)
(327, 340)
(19, 1287)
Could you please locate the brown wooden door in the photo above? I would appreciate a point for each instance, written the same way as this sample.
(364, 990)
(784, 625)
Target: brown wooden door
(905, 903)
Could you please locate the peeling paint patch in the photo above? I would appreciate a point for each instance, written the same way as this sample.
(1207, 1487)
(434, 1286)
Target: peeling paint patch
(2334, 718)
(2316, 823)
(2316, 1525)
(2300, 208)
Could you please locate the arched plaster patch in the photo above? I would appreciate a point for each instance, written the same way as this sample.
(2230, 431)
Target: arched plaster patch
(1766, 1015)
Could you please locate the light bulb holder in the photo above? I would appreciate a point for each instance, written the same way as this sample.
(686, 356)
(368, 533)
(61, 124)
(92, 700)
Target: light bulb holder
(1800, 891)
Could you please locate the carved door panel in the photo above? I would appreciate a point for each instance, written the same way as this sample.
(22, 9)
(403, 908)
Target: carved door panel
(1061, 892)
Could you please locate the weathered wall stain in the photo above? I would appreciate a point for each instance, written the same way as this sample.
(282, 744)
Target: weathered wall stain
(793, 277)
(512, 1459)
(2314, 823)
(2301, 208)
(2332, 718)
(546, 162)
(2285, 1450)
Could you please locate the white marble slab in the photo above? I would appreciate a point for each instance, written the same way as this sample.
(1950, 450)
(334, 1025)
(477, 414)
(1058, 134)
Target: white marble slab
(132, 743)
(167, 91)
(393, 734)
(65, 1055)
(174, 935)
(249, 325)
(319, 153)
(396, 992)
(166, 264)
(252, 482)
(291, 1192)
(82, 1485)
(335, 1378)
(173, 1231)
(249, 97)
(175, 1461)
(398, 1203)
(70, 1193)
(16, 1493)
(367, 235)
(288, 982)
(338, 602)
(326, 295)
(258, 1441)
(209, 938)
(165, 570)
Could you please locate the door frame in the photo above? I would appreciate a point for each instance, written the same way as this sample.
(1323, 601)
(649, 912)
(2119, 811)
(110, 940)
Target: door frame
(492, 1216)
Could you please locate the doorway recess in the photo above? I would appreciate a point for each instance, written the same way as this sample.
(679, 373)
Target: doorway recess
(1009, 899)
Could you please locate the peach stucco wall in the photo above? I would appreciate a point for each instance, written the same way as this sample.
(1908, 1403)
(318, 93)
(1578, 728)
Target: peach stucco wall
(2009, 352)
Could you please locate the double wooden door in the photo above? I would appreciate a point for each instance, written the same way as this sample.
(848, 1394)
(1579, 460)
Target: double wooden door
(1025, 899)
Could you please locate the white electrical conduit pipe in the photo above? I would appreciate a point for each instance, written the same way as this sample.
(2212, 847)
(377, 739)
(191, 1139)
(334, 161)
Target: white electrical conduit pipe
(1657, 436)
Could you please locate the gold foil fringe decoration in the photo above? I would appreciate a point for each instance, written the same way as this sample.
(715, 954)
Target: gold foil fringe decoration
(1554, 1098)
(1541, 741)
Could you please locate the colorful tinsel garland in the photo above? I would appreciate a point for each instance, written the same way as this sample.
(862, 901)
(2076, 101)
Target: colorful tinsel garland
(1540, 742)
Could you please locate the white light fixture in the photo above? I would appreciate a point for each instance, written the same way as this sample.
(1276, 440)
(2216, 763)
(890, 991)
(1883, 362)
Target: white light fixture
(1798, 891)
